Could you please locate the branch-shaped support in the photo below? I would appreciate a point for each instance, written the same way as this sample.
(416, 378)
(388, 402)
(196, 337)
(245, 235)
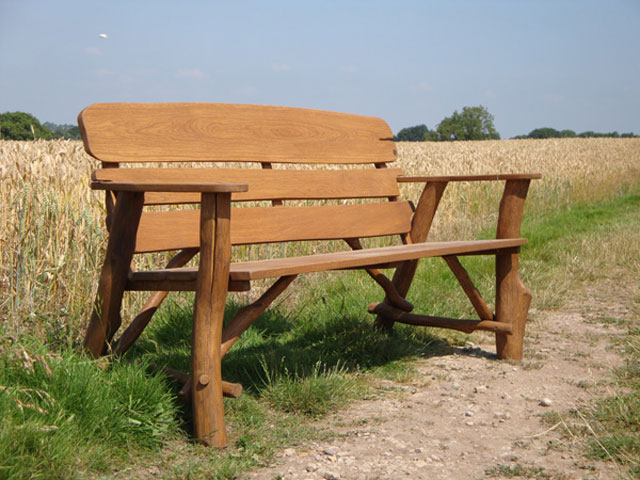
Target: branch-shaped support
(420, 226)
(140, 322)
(512, 297)
(105, 318)
(393, 296)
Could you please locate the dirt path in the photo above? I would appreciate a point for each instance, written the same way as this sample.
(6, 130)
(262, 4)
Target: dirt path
(472, 417)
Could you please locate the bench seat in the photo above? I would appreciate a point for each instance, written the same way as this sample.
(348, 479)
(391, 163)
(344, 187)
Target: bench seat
(279, 267)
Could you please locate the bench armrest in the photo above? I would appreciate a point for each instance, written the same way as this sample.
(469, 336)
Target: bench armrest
(510, 210)
(468, 178)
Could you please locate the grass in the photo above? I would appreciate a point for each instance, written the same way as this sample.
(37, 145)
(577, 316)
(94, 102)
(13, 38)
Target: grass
(61, 413)
(313, 352)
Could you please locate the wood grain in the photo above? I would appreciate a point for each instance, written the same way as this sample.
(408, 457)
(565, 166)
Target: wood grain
(512, 296)
(267, 184)
(195, 132)
(467, 178)
(175, 230)
(105, 317)
(279, 267)
(211, 295)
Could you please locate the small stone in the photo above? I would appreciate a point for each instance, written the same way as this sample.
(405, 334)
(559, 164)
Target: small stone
(330, 476)
(289, 452)
(421, 464)
(436, 458)
(480, 389)
(419, 450)
(311, 467)
(502, 415)
(468, 413)
(469, 423)
(546, 402)
(330, 451)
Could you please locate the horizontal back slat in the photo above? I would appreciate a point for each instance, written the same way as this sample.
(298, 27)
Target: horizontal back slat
(174, 230)
(264, 184)
(194, 132)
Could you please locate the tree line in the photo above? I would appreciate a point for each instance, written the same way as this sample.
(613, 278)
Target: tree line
(547, 132)
(24, 126)
(472, 123)
(476, 123)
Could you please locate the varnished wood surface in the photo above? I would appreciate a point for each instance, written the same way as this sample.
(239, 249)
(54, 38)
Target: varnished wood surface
(470, 290)
(266, 184)
(105, 316)
(179, 229)
(512, 296)
(278, 267)
(460, 324)
(168, 186)
(210, 301)
(468, 178)
(193, 132)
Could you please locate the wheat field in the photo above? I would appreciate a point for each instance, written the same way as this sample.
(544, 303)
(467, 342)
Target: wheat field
(51, 223)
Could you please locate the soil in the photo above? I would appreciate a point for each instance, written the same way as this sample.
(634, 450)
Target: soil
(470, 416)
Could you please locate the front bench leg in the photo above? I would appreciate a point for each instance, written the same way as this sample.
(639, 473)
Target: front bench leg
(211, 295)
(512, 297)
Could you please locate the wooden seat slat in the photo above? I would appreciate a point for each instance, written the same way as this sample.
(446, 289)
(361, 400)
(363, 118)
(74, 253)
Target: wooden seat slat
(201, 132)
(277, 267)
(263, 184)
(173, 230)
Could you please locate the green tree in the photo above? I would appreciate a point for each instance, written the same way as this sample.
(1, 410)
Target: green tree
(412, 134)
(22, 126)
(66, 131)
(473, 123)
(568, 134)
(545, 132)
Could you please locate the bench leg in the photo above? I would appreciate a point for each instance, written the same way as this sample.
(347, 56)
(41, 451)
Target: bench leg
(211, 295)
(512, 305)
(105, 318)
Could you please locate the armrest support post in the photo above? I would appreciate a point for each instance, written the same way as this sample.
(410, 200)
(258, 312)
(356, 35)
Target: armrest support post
(211, 295)
(511, 208)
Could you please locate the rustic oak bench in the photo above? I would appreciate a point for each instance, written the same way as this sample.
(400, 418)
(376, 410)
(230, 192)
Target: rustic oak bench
(329, 203)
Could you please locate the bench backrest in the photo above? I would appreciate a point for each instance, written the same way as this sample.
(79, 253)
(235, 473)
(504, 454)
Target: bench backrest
(257, 136)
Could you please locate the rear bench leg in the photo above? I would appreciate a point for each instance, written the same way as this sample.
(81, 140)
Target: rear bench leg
(512, 305)
(105, 318)
(512, 297)
(211, 295)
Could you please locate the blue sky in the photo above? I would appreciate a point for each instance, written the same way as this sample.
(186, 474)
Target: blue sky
(563, 64)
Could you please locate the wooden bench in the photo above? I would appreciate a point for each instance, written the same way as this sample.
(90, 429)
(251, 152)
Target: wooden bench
(259, 137)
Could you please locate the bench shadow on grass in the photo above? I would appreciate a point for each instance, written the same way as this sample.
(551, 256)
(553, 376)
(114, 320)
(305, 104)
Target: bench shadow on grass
(277, 346)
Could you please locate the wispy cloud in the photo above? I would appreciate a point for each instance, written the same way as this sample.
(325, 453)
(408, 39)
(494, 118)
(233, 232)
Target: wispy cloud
(421, 87)
(280, 67)
(92, 51)
(191, 74)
